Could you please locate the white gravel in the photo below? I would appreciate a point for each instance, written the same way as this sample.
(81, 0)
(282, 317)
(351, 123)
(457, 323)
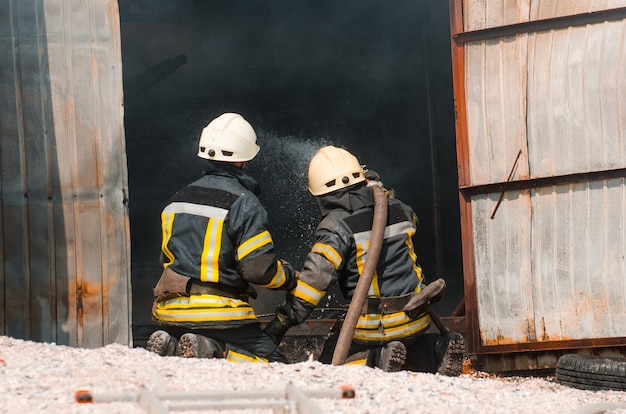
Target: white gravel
(43, 378)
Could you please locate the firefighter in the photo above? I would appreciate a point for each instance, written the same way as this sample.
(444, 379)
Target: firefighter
(215, 247)
(385, 337)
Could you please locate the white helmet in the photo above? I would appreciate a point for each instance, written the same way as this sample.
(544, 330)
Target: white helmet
(228, 137)
(333, 168)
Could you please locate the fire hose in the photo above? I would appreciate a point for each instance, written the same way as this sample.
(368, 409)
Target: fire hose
(362, 287)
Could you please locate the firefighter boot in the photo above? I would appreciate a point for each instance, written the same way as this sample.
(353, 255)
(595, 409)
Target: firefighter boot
(199, 346)
(392, 357)
(450, 350)
(162, 343)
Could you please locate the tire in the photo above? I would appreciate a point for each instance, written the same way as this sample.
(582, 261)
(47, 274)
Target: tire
(591, 372)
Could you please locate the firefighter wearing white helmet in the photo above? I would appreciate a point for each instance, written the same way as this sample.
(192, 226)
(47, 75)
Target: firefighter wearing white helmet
(230, 138)
(385, 335)
(215, 247)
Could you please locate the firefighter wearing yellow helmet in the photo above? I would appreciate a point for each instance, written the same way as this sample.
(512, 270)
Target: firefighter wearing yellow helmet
(385, 336)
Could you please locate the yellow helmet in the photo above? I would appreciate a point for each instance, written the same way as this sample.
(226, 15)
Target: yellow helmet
(228, 137)
(333, 168)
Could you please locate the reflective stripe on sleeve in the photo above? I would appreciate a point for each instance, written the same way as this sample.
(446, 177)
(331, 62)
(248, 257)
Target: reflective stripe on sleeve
(329, 253)
(308, 293)
(279, 278)
(253, 243)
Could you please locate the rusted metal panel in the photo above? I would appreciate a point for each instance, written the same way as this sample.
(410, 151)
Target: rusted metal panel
(575, 115)
(65, 232)
(578, 260)
(544, 109)
(485, 14)
(503, 268)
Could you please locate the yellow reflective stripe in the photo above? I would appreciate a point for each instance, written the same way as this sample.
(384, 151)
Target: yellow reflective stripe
(308, 293)
(234, 356)
(328, 252)
(279, 278)
(361, 251)
(373, 320)
(253, 243)
(416, 268)
(374, 288)
(420, 276)
(209, 260)
(167, 221)
(203, 308)
(203, 315)
(390, 333)
(357, 362)
(360, 257)
(204, 300)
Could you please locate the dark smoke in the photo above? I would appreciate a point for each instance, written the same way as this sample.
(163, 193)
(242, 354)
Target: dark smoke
(305, 74)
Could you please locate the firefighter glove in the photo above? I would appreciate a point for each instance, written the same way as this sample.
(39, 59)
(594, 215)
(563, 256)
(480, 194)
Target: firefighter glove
(278, 327)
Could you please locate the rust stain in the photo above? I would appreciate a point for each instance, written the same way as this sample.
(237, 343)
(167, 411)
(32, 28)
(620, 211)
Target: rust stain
(499, 339)
(560, 325)
(529, 327)
(544, 333)
(89, 298)
(468, 368)
(531, 337)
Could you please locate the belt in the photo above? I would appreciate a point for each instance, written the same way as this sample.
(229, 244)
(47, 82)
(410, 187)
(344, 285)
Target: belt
(389, 304)
(197, 287)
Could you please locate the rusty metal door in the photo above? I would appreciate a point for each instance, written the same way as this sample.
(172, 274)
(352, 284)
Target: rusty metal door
(540, 98)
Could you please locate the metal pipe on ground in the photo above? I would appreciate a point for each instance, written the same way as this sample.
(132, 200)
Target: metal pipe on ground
(291, 398)
(360, 292)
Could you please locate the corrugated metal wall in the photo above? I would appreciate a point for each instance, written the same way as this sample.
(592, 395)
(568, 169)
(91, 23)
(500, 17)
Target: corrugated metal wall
(64, 231)
(542, 103)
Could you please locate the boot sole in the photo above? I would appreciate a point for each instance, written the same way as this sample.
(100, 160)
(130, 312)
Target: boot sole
(452, 361)
(188, 346)
(162, 344)
(197, 346)
(392, 358)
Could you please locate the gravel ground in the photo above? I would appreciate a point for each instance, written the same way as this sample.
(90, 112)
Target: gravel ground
(43, 378)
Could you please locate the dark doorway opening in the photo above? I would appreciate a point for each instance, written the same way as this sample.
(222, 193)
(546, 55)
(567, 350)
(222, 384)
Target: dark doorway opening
(372, 77)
